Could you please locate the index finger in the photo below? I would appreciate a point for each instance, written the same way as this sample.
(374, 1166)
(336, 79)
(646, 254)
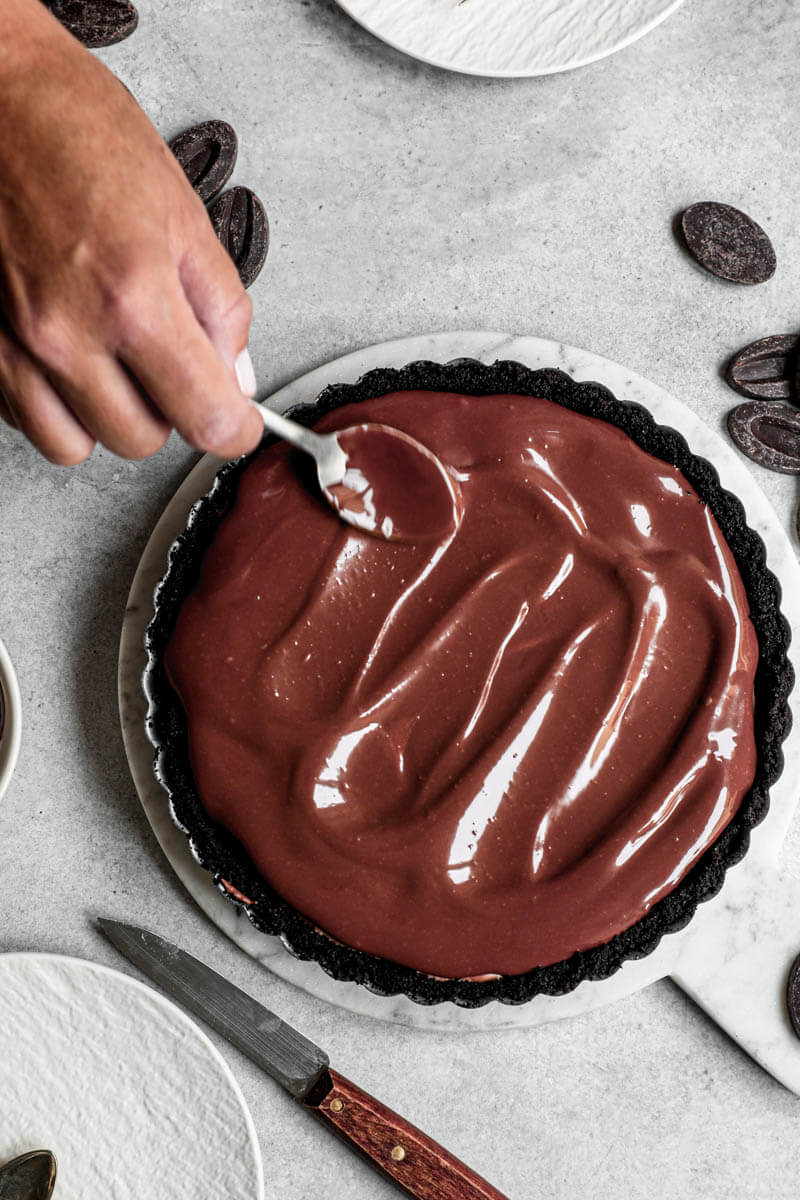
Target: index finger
(173, 358)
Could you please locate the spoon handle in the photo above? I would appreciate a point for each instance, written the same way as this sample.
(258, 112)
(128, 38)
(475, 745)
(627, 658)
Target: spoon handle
(324, 448)
(290, 431)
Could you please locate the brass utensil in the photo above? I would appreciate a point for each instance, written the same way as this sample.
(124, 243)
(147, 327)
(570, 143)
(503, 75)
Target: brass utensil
(30, 1176)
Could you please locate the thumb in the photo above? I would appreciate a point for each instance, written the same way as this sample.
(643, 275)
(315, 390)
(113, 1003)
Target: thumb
(223, 308)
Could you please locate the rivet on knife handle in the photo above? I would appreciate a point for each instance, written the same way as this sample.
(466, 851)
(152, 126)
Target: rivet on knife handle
(416, 1163)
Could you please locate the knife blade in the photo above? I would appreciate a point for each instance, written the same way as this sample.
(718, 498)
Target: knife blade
(400, 1151)
(291, 1059)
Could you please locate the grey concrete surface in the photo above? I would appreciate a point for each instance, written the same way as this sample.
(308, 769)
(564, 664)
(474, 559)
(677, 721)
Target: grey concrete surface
(404, 199)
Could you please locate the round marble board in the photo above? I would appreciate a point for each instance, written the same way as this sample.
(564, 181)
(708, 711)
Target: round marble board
(506, 38)
(752, 914)
(128, 1093)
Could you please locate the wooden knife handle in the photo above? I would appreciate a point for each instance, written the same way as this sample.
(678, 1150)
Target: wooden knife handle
(417, 1164)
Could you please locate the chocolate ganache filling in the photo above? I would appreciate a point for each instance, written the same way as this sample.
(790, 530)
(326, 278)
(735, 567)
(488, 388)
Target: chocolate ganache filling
(478, 755)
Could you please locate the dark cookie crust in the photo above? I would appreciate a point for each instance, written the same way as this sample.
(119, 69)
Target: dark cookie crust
(218, 852)
(766, 369)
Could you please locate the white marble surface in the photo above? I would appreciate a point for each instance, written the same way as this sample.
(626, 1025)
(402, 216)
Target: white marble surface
(79, 1042)
(509, 38)
(404, 199)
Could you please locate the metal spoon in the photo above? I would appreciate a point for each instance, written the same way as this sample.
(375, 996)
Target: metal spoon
(30, 1176)
(379, 479)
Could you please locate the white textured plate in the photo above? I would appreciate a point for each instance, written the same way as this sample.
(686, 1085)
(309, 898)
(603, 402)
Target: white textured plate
(128, 1093)
(509, 37)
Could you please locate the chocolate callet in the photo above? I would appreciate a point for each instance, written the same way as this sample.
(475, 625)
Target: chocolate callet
(766, 369)
(728, 243)
(241, 225)
(96, 23)
(793, 996)
(509, 703)
(769, 433)
(207, 154)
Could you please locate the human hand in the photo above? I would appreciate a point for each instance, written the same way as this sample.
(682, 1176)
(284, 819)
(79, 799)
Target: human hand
(121, 315)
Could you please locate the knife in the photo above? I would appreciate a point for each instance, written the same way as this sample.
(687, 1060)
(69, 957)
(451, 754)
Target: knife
(417, 1164)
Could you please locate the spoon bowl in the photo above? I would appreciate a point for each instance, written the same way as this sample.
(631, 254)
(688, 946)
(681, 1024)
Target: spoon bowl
(30, 1176)
(379, 479)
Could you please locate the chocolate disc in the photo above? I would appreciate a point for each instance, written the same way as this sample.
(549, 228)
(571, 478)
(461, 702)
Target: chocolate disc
(769, 433)
(728, 243)
(207, 154)
(766, 369)
(793, 995)
(241, 225)
(96, 23)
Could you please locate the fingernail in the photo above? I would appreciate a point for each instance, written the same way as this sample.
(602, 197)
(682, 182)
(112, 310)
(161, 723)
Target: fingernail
(245, 375)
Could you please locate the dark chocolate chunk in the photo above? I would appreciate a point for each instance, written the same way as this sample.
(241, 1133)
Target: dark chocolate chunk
(728, 243)
(766, 369)
(769, 433)
(241, 225)
(793, 995)
(207, 153)
(96, 22)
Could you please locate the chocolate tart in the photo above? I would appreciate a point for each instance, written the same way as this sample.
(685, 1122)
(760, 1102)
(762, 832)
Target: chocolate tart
(224, 857)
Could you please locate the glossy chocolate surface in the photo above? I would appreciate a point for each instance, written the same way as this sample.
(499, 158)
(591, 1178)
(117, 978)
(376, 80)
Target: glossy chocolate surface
(477, 755)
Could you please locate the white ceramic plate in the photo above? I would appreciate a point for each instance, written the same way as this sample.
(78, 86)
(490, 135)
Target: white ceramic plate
(129, 1094)
(509, 37)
